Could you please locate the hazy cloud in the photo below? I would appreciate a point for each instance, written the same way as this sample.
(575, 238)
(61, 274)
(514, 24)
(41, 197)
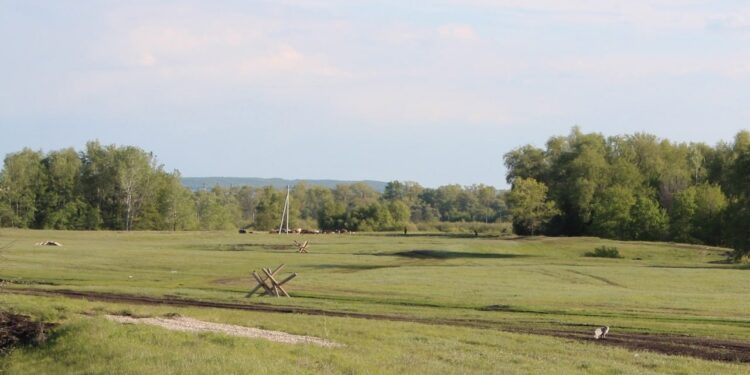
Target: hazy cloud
(732, 22)
(460, 32)
(496, 73)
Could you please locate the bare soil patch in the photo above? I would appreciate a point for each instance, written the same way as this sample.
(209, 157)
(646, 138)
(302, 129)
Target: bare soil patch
(18, 329)
(185, 324)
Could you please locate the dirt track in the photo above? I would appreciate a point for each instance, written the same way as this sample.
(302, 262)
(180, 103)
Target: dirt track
(704, 348)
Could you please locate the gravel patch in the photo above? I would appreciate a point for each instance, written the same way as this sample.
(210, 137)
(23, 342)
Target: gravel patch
(193, 325)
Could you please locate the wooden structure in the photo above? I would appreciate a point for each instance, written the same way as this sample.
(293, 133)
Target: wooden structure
(268, 282)
(285, 214)
(302, 247)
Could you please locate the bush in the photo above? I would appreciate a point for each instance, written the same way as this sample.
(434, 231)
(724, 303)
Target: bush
(604, 252)
(498, 229)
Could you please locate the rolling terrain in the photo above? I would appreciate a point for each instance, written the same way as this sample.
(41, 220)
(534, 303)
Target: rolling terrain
(421, 303)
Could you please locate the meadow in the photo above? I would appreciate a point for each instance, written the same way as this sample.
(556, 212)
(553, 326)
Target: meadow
(422, 303)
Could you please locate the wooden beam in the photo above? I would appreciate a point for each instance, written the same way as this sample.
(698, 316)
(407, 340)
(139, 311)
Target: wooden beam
(277, 269)
(276, 285)
(267, 281)
(250, 293)
(288, 279)
(261, 283)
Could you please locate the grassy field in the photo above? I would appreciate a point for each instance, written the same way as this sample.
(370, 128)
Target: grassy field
(477, 305)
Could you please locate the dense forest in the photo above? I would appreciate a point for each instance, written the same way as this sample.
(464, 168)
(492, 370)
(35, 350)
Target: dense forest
(124, 188)
(633, 187)
(630, 187)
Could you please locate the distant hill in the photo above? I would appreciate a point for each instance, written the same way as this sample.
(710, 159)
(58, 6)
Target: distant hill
(195, 183)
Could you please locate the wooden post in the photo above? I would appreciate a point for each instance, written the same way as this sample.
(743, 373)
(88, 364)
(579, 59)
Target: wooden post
(268, 282)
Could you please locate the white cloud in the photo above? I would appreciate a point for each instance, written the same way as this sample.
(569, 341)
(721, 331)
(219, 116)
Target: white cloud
(457, 32)
(147, 59)
(648, 15)
(383, 71)
(394, 106)
(732, 22)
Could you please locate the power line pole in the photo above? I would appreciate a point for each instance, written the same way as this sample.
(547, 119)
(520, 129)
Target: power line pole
(285, 213)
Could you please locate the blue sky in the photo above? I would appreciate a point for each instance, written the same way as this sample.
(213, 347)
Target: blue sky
(434, 92)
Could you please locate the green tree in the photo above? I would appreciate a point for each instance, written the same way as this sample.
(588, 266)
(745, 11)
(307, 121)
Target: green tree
(100, 186)
(648, 221)
(526, 162)
(489, 205)
(372, 217)
(529, 206)
(682, 215)
(217, 209)
(611, 215)
(318, 204)
(708, 223)
(61, 206)
(400, 213)
(738, 182)
(247, 198)
(269, 209)
(178, 205)
(22, 183)
(136, 171)
(447, 201)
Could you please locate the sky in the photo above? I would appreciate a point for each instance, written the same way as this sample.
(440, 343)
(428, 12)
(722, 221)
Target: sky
(428, 91)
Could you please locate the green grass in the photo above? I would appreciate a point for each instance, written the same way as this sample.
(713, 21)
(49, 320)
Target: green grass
(655, 287)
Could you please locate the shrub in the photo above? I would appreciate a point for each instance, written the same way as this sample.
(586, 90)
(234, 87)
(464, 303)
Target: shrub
(604, 252)
(497, 229)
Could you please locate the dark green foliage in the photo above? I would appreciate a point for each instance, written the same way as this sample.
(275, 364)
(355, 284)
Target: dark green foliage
(107, 187)
(640, 187)
(22, 187)
(738, 211)
(604, 252)
(124, 188)
(649, 221)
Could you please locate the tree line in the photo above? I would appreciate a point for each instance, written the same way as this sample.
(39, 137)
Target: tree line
(125, 188)
(633, 187)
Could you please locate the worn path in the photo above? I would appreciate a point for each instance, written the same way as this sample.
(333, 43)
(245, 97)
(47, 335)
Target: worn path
(699, 347)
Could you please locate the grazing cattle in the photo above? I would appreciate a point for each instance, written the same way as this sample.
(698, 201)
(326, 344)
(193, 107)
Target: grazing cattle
(601, 332)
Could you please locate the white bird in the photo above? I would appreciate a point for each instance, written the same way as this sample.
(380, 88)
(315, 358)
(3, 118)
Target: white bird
(601, 332)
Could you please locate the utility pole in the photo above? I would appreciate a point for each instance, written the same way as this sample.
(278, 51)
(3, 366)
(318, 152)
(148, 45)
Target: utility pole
(285, 213)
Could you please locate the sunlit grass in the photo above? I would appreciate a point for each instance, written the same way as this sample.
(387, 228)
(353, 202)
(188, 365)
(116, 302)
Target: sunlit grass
(655, 287)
